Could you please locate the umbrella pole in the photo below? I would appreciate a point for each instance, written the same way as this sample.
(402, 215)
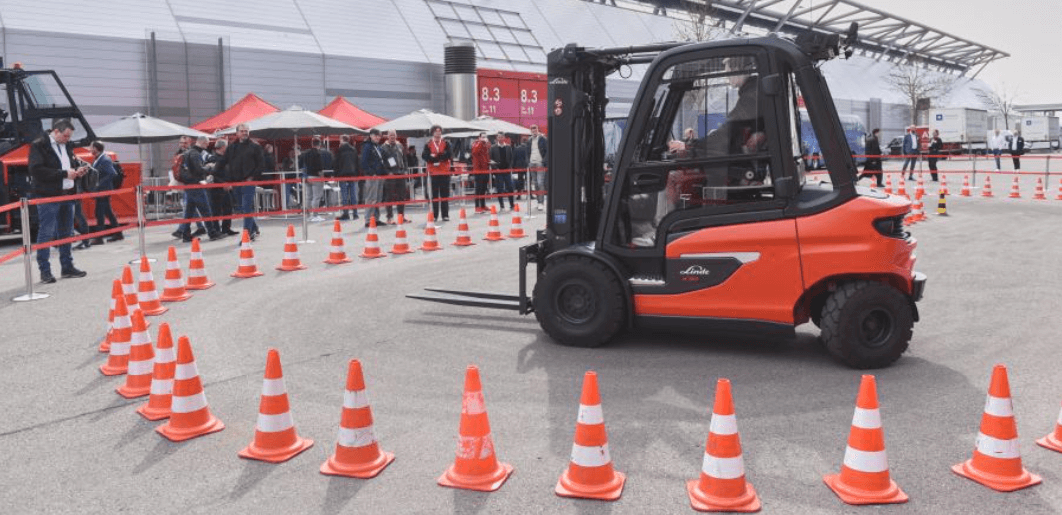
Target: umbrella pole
(527, 184)
(305, 196)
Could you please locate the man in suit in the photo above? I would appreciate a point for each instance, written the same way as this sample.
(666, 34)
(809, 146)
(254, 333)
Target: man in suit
(1017, 148)
(910, 147)
(51, 165)
(104, 213)
(537, 154)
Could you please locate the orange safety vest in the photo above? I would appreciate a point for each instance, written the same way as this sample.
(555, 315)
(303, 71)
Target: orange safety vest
(442, 167)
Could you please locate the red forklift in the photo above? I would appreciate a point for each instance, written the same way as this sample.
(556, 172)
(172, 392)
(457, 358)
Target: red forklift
(720, 233)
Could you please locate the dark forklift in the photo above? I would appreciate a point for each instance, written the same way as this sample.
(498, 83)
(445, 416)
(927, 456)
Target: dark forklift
(707, 221)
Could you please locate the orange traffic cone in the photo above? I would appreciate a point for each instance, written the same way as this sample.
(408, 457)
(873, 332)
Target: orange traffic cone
(129, 289)
(517, 230)
(372, 242)
(888, 185)
(357, 452)
(722, 486)
(118, 359)
(987, 190)
(943, 185)
(920, 208)
(173, 286)
(590, 474)
(291, 261)
(275, 439)
(337, 255)
(996, 461)
(141, 361)
(1053, 440)
(901, 190)
(248, 267)
(1059, 197)
(1015, 190)
(464, 239)
(921, 186)
(158, 405)
(1039, 195)
(494, 232)
(116, 291)
(147, 295)
(475, 465)
(431, 243)
(197, 276)
(189, 413)
(864, 477)
(401, 246)
(965, 186)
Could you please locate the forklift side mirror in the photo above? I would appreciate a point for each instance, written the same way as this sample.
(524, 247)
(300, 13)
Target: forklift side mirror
(785, 187)
(771, 84)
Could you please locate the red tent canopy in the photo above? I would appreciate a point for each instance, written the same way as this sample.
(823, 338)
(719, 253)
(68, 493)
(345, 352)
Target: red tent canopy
(246, 109)
(341, 109)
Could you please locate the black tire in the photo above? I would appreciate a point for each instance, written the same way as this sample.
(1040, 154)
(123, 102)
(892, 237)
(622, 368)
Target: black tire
(579, 302)
(867, 324)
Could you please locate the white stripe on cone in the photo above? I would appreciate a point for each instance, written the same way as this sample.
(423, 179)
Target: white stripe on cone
(999, 406)
(161, 386)
(468, 445)
(189, 404)
(119, 349)
(594, 456)
(866, 418)
(165, 355)
(275, 423)
(591, 415)
(472, 404)
(723, 468)
(273, 387)
(723, 424)
(185, 371)
(356, 437)
(865, 461)
(140, 368)
(996, 448)
(139, 338)
(354, 399)
(122, 322)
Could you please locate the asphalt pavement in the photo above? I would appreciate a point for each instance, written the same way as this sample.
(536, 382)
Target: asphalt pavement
(70, 444)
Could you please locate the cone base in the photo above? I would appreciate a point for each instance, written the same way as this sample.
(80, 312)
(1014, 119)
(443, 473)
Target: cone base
(1050, 442)
(109, 370)
(359, 471)
(204, 286)
(1013, 196)
(105, 346)
(339, 261)
(372, 256)
(173, 434)
(607, 492)
(858, 496)
(276, 455)
(401, 251)
(430, 249)
(486, 483)
(246, 275)
(996, 482)
(700, 501)
(494, 238)
(462, 243)
(291, 268)
(150, 413)
(132, 393)
(154, 312)
(175, 298)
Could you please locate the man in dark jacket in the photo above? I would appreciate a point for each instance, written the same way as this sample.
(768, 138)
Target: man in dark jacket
(395, 190)
(243, 160)
(501, 157)
(346, 166)
(104, 214)
(872, 165)
(312, 165)
(537, 154)
(196, 201)
(51, 166)
(220, 198)
(372, 165)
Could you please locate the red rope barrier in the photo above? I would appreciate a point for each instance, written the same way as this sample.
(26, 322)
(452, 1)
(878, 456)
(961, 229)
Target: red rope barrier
(79, 196)
(12, 255)
(79, 237)
(9, 207)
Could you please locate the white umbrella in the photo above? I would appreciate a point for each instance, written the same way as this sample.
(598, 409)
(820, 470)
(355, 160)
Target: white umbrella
(140, 128)
(418, 123)
(293, 120)
(501, 126)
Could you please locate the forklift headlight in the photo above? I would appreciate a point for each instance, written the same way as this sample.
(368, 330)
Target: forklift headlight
(891, 227)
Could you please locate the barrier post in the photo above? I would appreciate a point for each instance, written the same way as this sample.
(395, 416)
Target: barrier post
(974, 170)
(1047, 173)
(527, 183)
(305, 209)
(27, 255)
(141, 225)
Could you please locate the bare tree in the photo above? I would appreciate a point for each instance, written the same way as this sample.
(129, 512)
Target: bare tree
(700, 25)
(915, 82)
(1001, 100)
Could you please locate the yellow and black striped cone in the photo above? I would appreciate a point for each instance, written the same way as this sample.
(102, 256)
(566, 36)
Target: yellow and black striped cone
(942, 204)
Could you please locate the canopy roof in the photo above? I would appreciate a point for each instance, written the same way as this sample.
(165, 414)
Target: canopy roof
(246, 109)
(341, 109)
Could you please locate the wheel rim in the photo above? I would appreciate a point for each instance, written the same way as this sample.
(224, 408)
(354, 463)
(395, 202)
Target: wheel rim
(876, 327)
(575, 303)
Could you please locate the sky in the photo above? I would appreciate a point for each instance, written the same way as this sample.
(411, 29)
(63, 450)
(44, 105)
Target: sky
(1029, 30)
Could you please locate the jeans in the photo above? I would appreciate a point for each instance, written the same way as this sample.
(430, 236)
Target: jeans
(55, 221)
(245, 205)
(104, 213)
(316, 194)
(996, 153)
(440, 189)
(1014, 157)
(197, 205)
(909, 161)
(481, 180)
(221, 205)
(348, 195)
(503, 183)
(373, 197)
(538, 182)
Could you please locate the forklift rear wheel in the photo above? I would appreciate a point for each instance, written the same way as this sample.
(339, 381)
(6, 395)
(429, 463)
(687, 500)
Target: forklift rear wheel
(579, 302)
(867, 324)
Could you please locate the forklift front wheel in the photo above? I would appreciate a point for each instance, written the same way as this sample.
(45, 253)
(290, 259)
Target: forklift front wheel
(867, 324)
(579, 302)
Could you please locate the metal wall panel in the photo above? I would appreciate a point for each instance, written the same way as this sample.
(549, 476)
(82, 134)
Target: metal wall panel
(384, 87)
(281, 78)
(346, 30)
(137, 17)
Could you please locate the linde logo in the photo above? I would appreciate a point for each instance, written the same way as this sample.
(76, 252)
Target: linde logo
(695, 270)
(559, 80)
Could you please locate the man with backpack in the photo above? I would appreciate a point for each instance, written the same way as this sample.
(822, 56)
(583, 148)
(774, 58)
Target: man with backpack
(196, 200)
(108, 177)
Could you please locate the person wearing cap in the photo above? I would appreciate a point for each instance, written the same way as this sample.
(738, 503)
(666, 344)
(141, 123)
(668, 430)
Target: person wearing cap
(372, 165)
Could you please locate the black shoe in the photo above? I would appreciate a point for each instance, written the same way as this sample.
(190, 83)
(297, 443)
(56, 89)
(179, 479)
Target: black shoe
(116, 237)
(47, 278)
(230, 232)
(177, 234)
(215, 236)
(446, 219)
(97, 241)
(254, 236)
(344, 218)
(83, 245)
(72, 273)
(199, 232)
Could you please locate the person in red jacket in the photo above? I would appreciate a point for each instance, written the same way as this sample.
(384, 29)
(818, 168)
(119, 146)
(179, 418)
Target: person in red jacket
(480, 167)
(436, 156)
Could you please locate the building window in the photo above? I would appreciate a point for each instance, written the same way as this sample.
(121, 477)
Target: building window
(497, 34)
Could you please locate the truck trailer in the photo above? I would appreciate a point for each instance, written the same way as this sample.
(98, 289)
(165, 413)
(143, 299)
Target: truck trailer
(960, 127)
